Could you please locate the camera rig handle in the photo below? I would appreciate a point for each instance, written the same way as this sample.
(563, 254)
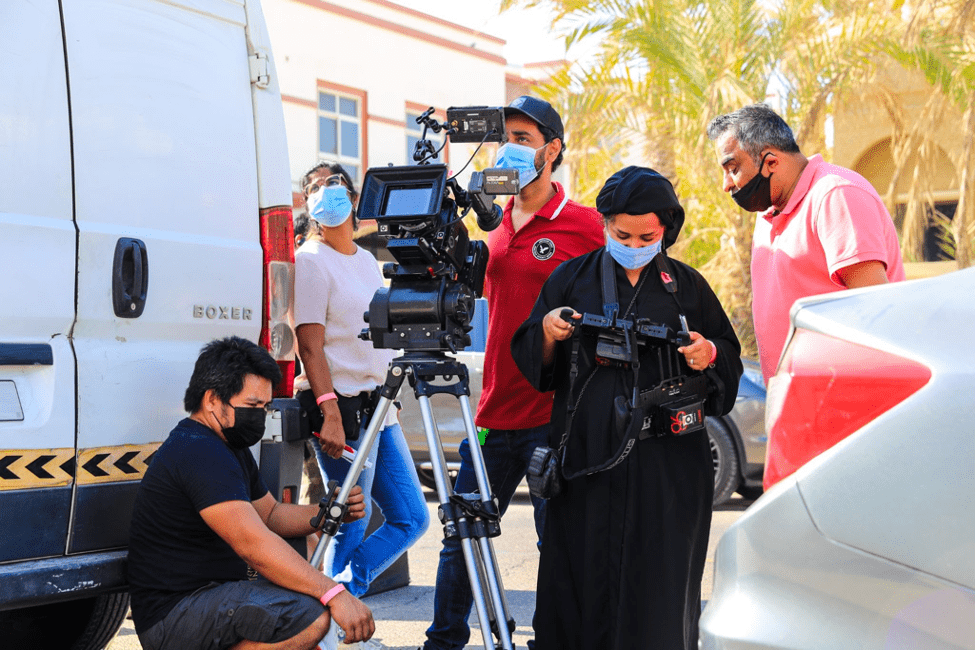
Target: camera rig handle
(488, 213)
(683, 337)
(567, 315)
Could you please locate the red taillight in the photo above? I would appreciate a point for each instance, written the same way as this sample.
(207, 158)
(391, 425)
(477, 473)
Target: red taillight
(826, 389)
(277, 243)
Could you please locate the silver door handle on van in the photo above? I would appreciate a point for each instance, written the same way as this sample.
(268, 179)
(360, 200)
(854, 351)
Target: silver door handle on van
(130, 277)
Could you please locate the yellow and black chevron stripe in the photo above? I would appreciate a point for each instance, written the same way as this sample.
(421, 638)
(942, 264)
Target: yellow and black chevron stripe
(40, 468)
(110, 464)
(33, 468)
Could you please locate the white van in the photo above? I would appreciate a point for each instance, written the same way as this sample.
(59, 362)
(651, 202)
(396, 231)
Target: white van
(145, 209)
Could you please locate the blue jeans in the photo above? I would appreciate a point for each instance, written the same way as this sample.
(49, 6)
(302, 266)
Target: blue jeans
(507, 454)
(392, 483)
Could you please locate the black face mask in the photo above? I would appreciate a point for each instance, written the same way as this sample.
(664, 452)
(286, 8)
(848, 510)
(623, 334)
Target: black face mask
(755, 195)
(249, 427)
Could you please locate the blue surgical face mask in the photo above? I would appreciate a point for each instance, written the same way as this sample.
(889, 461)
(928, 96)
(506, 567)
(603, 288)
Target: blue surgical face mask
(632, 258)
(520, 158)
(330, 206)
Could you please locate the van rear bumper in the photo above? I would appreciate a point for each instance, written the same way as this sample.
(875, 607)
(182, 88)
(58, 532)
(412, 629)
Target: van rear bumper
(40, 582)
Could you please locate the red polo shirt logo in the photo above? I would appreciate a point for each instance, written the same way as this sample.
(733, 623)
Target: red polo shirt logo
(543, 249)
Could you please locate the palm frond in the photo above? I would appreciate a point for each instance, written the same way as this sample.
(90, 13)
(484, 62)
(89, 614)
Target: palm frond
(665, 68)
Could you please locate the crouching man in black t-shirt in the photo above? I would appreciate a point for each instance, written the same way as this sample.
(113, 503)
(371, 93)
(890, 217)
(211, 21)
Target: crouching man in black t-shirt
(203, 514)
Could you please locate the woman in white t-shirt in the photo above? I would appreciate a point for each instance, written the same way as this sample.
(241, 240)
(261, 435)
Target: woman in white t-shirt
(334, 283)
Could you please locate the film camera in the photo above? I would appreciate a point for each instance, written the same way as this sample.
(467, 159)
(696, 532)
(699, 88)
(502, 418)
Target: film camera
(419, 209)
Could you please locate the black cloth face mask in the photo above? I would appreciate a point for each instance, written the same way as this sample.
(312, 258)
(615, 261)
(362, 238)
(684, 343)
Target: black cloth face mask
(249, 427)
(755, 195)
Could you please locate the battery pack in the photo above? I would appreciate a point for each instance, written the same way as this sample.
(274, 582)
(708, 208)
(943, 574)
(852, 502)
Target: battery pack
(684, 416)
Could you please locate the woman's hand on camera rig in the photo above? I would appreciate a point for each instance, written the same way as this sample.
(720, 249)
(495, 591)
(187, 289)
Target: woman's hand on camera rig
(700, 353)
(556, 326)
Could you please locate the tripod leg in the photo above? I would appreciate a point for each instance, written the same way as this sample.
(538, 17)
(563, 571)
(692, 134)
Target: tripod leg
(444, 495)
(478, 463)
(438, 464)
(493, 576)
(486, 621)
(486, 579)
(337, 510)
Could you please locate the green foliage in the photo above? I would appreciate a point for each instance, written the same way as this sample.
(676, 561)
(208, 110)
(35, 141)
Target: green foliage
(665, 68)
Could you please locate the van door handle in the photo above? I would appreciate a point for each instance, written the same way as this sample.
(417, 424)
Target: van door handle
(26, 354)
(130, 278)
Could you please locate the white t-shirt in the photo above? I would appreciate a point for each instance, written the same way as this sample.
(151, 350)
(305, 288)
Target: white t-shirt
(335, 290)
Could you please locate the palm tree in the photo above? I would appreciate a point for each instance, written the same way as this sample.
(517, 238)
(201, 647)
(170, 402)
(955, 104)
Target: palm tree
(665, 68)
(937, 43)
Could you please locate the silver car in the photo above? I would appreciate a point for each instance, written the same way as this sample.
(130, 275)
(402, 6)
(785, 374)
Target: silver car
(870, 544)
(738, 441)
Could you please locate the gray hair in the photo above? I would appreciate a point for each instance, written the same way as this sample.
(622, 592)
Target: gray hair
(755, 127)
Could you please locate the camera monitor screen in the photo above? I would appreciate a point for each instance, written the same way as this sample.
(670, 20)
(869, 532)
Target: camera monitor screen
(409, 194)
(407, 201)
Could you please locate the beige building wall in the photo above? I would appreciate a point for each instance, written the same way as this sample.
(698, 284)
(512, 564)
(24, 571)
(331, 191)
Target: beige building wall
(386, 61)
(382, 60)
(863, 133)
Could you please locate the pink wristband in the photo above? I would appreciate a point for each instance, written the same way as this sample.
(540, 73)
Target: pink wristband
(329, 595)
(325, 396)
(715, 352)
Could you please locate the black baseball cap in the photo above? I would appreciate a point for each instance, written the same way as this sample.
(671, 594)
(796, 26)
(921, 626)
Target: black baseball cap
(538, 111)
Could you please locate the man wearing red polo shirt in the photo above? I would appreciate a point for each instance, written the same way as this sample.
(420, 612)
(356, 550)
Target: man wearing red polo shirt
(541, 228)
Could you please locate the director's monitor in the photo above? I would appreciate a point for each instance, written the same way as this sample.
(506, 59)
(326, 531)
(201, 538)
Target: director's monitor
(408, 195)
(476, 124)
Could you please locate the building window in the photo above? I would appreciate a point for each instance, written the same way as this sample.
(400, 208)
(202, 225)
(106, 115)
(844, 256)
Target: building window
(414, 133)
(341, 130)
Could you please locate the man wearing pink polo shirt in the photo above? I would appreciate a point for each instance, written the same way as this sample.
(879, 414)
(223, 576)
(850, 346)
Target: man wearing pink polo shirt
(821, 227)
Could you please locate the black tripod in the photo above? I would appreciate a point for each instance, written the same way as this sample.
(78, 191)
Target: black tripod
(473, 518)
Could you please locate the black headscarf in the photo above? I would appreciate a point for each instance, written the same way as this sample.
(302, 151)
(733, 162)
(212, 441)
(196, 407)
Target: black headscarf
(639, 190)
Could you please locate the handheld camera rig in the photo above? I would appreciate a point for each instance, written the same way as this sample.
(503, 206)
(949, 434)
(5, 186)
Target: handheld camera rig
(617, 338)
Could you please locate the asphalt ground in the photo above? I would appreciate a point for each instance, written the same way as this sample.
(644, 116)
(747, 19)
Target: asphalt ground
(403, 614)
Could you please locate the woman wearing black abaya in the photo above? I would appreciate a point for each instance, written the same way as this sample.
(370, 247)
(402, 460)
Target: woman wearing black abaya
(624, 548)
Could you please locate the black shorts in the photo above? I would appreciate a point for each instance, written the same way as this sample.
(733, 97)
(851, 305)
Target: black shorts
(219, 615)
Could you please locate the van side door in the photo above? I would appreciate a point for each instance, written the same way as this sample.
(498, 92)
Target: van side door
(37, 285)
(167, 213)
